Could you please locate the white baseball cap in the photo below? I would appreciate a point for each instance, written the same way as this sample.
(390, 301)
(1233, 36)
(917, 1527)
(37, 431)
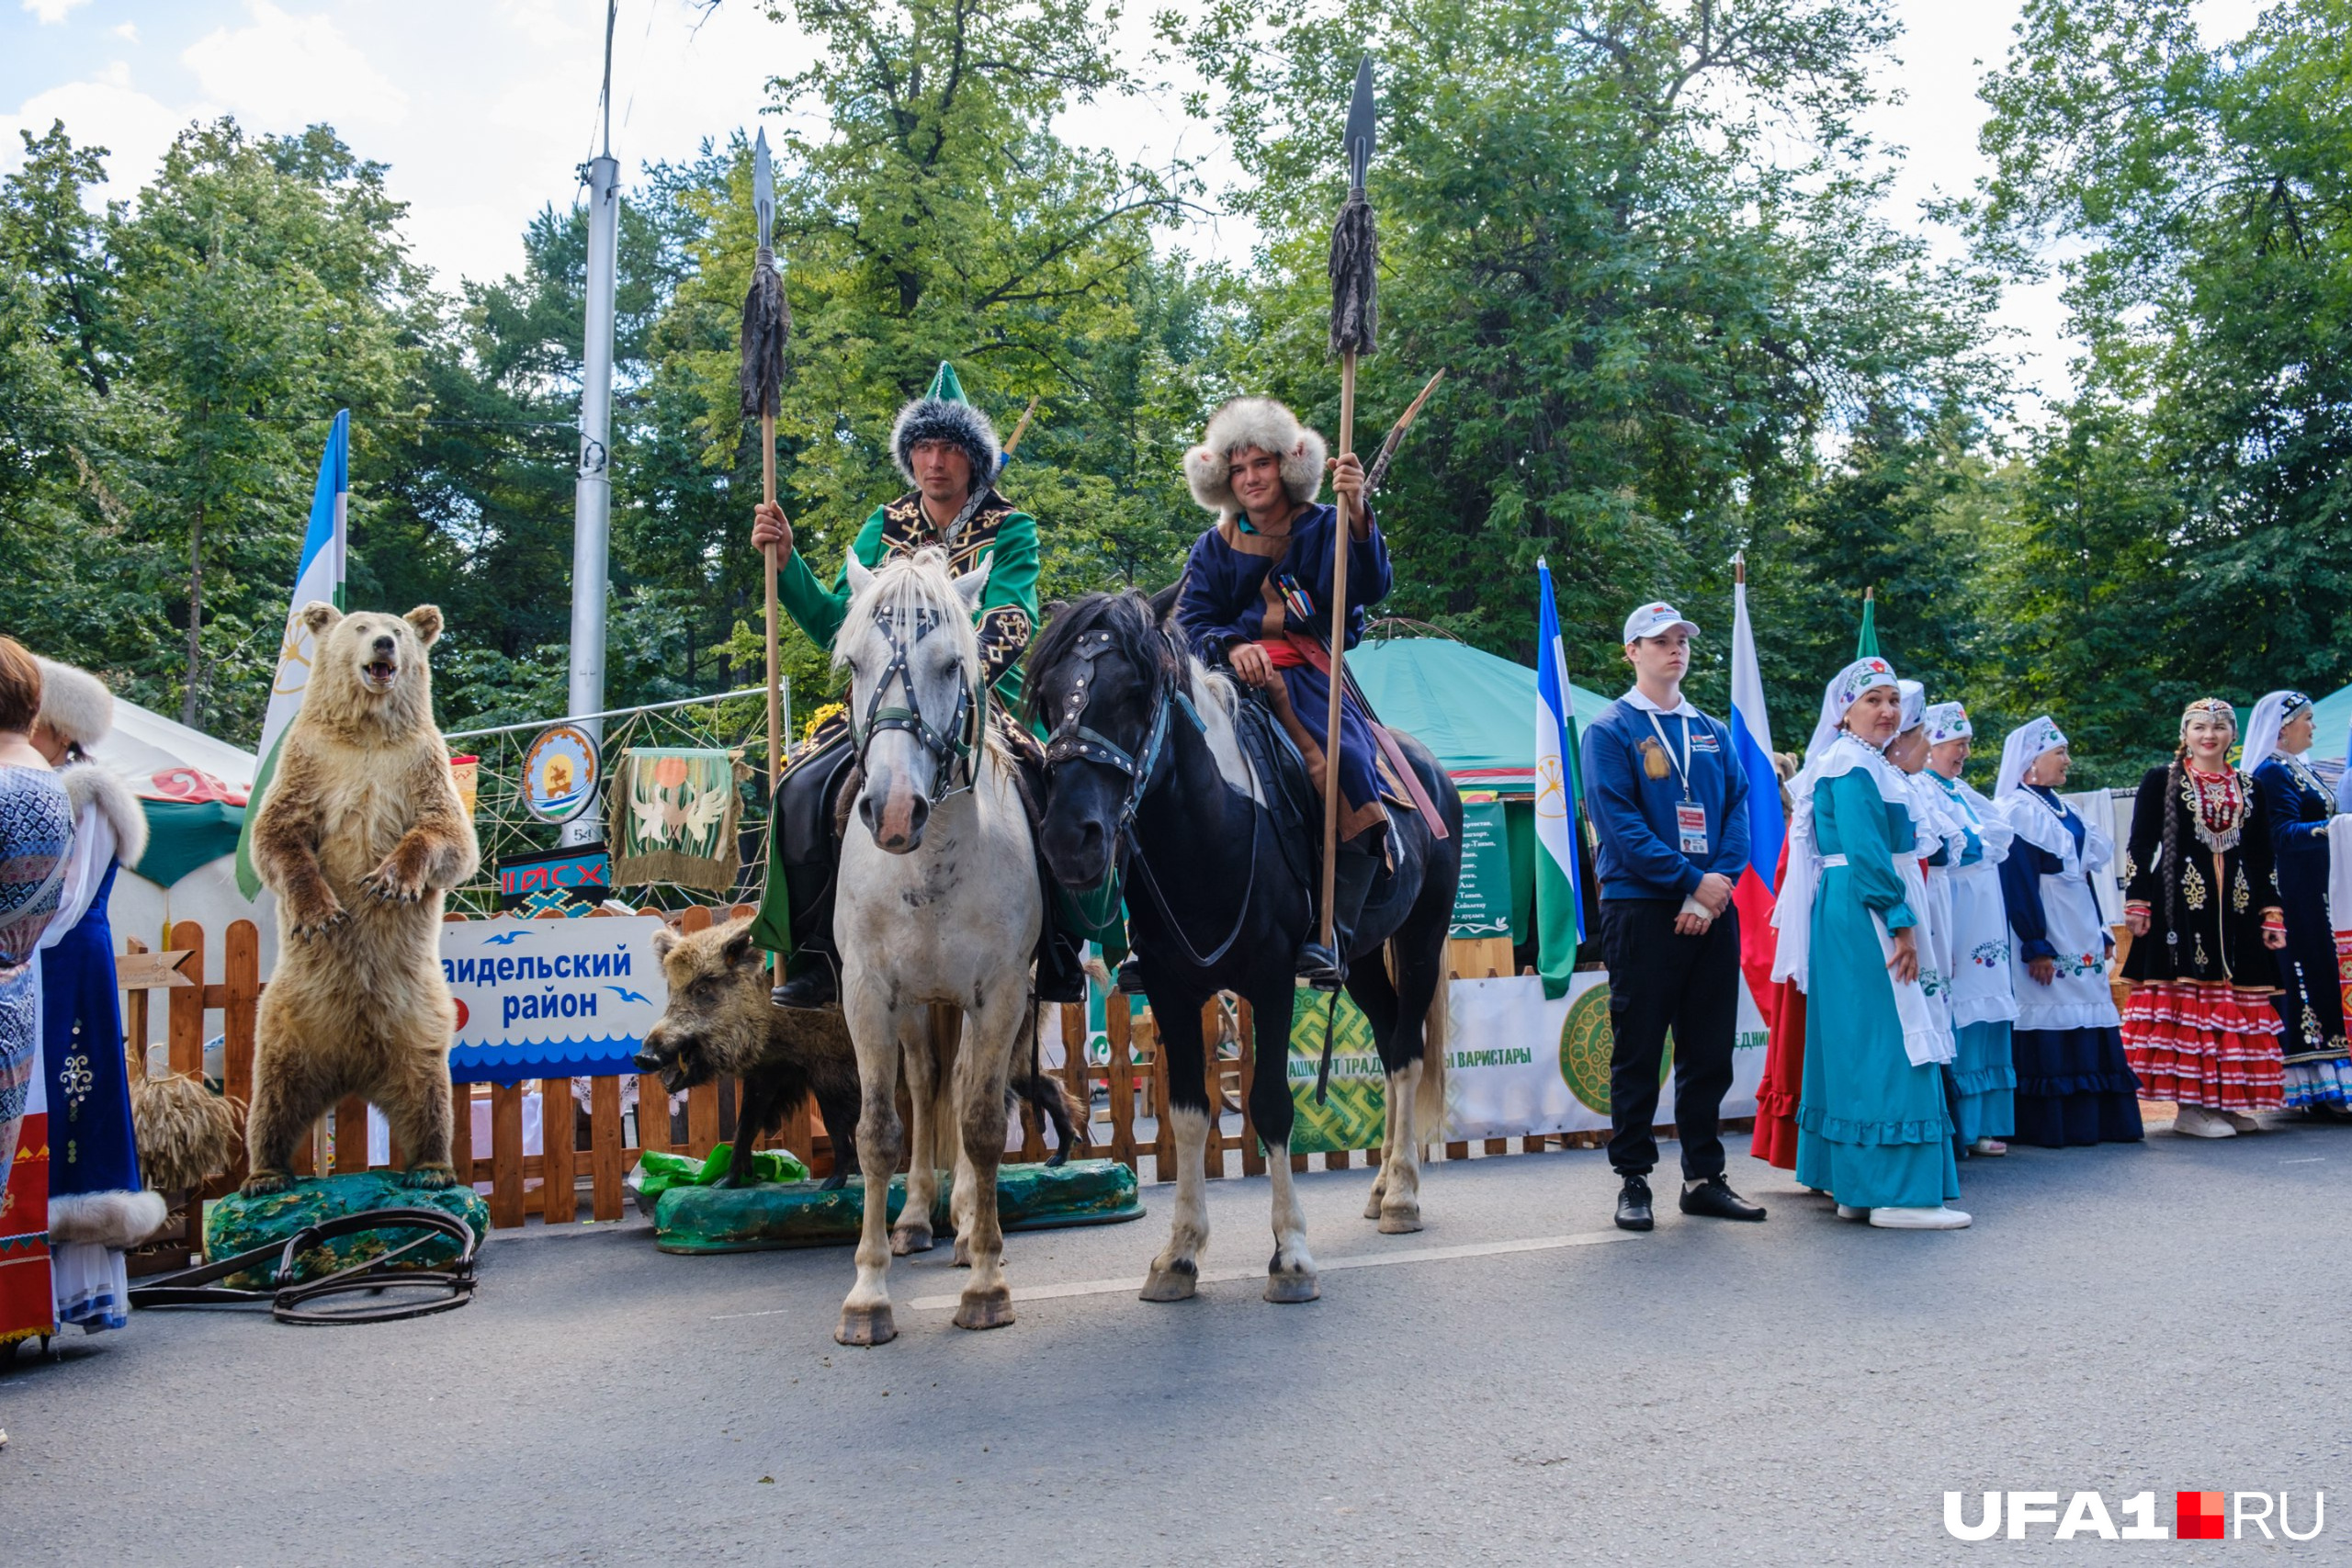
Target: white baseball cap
(1651, 620)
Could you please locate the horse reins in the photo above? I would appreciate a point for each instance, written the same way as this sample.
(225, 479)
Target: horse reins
(960, 744)
(1073, 739)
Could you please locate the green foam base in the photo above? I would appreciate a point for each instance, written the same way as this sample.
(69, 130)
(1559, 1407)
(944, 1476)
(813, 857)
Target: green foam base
(801, 1214)
(238, 1224)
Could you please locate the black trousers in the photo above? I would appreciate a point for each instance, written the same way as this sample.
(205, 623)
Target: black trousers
(1659, 981)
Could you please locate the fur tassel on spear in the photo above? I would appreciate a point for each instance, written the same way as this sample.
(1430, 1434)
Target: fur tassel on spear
(767, 326)
(1355, 328)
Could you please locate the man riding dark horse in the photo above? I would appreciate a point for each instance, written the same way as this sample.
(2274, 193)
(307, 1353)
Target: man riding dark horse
(948, 451)
(1257, 592)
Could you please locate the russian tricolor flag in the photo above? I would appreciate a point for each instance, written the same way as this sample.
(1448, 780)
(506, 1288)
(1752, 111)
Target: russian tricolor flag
(1768, 826)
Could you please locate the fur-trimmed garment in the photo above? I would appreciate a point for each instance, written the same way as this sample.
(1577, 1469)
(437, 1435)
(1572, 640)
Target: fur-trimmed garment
(75, 703)
(1267, 426)
(97, 1206)
(941, 419)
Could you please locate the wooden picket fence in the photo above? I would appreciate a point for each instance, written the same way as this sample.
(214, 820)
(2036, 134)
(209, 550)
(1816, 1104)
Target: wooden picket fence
(597, 1149)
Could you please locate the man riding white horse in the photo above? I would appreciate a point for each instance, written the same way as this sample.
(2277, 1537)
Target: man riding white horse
(1256, 592)
(948, 451)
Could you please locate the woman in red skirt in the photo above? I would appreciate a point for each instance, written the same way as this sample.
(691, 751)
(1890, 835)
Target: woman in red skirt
(2203, 910)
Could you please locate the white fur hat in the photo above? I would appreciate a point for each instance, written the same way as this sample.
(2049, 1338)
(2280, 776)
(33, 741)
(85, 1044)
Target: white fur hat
(1267, 426)
(75, 703)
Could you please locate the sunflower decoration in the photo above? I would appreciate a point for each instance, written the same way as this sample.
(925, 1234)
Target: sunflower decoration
(822, 717)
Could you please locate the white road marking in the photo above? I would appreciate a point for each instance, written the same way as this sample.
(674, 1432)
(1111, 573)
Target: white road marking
(772, 1312)
(1323, 1265)
(2315, 1159)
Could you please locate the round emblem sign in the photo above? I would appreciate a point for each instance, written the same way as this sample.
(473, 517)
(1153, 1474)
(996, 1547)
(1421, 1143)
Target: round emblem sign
(559, 774)
(1585, 1043)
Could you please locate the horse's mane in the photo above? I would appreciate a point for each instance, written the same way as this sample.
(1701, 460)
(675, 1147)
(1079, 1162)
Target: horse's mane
(1136, 635)
(905, 585)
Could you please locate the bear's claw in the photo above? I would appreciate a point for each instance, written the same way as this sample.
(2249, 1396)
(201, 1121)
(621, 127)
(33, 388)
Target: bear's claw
(262, 1183)
(430, 1178)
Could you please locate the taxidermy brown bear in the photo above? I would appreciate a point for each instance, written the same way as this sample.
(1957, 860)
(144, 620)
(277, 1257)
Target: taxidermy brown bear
(361, 836)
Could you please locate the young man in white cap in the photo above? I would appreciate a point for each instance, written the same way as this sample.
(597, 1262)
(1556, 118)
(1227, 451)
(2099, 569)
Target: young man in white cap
(1670, 804)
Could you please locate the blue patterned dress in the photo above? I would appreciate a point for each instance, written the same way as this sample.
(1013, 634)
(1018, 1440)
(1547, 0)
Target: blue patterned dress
(36, 837)
(36, 832)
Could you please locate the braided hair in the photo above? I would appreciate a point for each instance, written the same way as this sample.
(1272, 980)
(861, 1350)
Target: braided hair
(2176, 777)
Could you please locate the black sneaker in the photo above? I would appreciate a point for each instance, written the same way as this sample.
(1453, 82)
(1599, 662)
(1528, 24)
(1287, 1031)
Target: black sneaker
(1714, 1199)
(1634, 1205)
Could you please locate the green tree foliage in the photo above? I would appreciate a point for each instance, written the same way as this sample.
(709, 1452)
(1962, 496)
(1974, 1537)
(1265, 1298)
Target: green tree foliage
(1645, 237)
(1638, 236)
(2187, 519)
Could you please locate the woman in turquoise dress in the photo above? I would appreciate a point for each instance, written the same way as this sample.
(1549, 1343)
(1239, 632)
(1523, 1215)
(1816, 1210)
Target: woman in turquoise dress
(1873, 1128)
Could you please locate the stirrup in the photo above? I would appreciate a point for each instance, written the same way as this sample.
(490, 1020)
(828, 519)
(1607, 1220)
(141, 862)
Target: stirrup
(1320, 967)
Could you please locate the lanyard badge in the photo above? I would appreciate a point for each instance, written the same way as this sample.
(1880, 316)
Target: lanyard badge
(1689, 816)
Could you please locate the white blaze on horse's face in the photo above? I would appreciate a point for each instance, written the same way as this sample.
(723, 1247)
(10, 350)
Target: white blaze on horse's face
(909, 649)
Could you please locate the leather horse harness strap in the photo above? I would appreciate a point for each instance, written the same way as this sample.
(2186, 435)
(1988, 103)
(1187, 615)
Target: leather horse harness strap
(1074, 740)
(956, 747)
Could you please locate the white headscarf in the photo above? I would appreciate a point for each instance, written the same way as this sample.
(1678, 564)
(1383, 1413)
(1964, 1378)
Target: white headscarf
(1914, 706)
(1832, 752)
(2027, 744)
(2270, 716)
(1948, 721)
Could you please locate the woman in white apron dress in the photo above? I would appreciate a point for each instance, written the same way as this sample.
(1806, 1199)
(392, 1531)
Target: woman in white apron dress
(2074, 1083)
(1983, 997)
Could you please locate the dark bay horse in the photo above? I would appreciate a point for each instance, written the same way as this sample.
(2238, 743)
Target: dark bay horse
(1148, 777)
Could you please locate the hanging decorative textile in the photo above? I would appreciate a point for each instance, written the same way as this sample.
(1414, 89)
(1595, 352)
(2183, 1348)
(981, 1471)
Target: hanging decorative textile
(674, 813)
(2339, 900)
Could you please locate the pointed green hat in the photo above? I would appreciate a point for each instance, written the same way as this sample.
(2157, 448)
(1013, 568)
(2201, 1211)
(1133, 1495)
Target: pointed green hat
(942, 414)
(944, 385)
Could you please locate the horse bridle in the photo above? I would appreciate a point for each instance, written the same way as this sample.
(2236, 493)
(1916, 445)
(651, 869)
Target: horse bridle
(960, 744)
(1074, 740)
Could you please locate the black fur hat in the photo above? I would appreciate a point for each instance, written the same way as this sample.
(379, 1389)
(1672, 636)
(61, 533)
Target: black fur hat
(934, 418)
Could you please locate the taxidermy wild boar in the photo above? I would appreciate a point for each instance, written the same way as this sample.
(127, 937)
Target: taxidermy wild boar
(719, 1022)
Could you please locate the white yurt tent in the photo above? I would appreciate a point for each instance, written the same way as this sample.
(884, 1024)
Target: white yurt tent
(193, 789)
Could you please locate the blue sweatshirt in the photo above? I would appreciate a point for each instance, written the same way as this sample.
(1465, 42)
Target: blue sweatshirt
(1634, 814)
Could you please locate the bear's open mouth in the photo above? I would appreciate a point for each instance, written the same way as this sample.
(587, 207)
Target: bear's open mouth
(380, 674)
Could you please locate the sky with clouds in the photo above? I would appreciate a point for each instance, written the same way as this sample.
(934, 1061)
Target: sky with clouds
(485, 108)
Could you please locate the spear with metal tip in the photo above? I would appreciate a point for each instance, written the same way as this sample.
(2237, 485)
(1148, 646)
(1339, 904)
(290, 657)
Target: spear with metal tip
(767, 326)
(1355, 327)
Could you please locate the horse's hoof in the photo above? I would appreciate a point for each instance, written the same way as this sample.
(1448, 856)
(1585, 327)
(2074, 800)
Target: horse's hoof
(1176, 1282)
(866, 1326)
(985, 1309)
(963, 1259)
(835, 1182)
(1290, 1287)
(1403, 1219)
(1372, 1205)
(1057, 1159)
(262, 1183)
(910, 1238)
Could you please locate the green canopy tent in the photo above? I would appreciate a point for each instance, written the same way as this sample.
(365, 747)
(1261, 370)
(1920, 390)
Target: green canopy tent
(1477, 713)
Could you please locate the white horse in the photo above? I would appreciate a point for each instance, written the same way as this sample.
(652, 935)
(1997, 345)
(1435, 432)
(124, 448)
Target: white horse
(938, 905)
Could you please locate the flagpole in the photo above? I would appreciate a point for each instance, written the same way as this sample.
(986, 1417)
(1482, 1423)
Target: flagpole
(591, 495)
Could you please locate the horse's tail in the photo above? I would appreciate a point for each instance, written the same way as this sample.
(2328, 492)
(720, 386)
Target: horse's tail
(1428, 1103)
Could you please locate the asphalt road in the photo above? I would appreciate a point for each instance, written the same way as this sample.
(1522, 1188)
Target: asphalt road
(2161, 1318)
